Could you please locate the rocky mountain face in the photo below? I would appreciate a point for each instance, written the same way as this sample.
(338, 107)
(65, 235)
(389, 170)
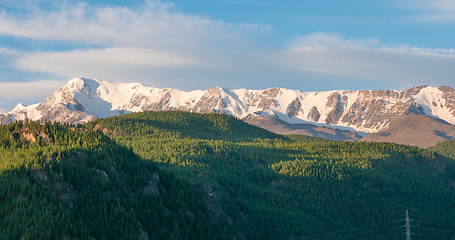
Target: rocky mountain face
(83, 99)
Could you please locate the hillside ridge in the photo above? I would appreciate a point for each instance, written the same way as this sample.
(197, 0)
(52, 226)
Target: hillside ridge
(84, 99)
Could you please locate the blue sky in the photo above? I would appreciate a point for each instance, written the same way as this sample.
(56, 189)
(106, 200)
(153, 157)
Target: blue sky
(298, 44)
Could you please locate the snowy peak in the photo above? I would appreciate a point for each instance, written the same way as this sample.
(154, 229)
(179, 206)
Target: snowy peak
(77, 84)
(83, 99)
(19, 107)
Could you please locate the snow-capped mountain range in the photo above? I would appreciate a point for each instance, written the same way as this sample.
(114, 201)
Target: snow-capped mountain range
(84, 99)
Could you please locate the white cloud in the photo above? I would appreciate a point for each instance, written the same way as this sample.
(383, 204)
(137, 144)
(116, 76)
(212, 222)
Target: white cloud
(436, 11)
(28, 90)
(8, 51)
(123, 44)
(155, 25)
(157, 45)
(104, 63)
(369, 59)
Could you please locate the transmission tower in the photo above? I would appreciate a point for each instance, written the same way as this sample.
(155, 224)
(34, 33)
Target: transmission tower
(408, 226)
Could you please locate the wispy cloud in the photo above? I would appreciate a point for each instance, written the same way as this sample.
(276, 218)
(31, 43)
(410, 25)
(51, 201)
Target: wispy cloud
(155, 25)
(436, 11)
(28, 90)
(8, 52)
(122, 42)
(158, 45)
(369, 59)
(12, 93)
(106, 63)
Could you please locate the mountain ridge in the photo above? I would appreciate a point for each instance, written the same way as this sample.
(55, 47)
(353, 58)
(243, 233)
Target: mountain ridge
(84, 99)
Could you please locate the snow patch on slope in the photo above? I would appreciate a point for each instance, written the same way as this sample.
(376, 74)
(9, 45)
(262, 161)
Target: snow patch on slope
(83, 99)
(21, 112)
(432, 101)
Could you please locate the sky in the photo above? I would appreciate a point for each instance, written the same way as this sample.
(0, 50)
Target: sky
(298, 44)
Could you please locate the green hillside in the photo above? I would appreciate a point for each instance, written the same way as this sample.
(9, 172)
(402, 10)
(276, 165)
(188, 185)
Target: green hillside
(65, 182)
(304, 188)
(173, 175)
(446, 148)
(173, 124)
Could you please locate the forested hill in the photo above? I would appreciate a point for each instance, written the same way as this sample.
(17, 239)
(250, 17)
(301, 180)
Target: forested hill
(446, 148)
(66, 182)
(176, 175)
(175, 124)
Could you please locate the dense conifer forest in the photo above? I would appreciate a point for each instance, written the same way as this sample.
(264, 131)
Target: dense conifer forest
(175, 175)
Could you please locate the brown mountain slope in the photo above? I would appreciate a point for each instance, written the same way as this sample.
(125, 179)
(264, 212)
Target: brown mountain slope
(278, 126)
(415, 130)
